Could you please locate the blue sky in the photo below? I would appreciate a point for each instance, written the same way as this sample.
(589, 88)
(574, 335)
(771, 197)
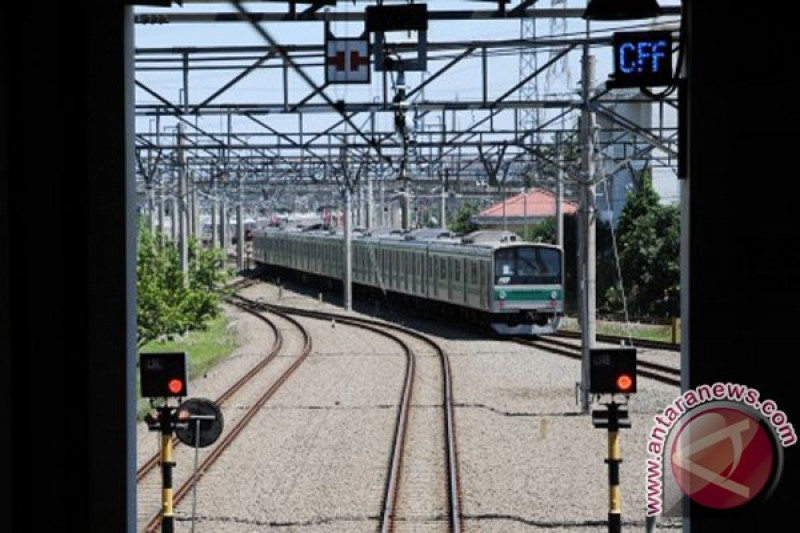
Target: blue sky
(463, 82)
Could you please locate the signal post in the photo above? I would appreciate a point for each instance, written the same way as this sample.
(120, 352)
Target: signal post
(164, 376)
(613, 371)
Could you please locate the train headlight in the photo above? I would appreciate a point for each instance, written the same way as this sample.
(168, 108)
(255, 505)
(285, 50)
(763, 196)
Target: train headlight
(501, 295)
(553, 295)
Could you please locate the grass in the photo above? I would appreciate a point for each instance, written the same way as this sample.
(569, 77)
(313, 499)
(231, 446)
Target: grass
(203, 348)
(662, 333)
(652, 333)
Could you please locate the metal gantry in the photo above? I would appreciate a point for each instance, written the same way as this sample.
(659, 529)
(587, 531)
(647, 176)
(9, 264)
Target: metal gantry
(263, 131)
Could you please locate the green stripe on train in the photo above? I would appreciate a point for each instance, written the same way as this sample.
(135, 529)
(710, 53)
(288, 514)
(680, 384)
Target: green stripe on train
(516, 295)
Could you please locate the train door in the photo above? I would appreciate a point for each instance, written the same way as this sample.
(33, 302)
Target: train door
(401, 271)
(485, 287)
(426, 268)
(471, 273)
(418, 258)
(402, 259)
(458, 280)
(362, 253)
(409, 270)
(390, 263)
(414, 260)
(385, 266)
(418, 273)
(443, 281)
(313, 256)
(392, 268)
(450, 268)
(398, 270)
(432, 275)
(356, 263)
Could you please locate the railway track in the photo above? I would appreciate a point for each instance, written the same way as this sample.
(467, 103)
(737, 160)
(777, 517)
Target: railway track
(647, 369)
(400, 503)
(617, 339)
(150, 513)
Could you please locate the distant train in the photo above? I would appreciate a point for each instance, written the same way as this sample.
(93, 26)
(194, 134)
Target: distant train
(488, 277)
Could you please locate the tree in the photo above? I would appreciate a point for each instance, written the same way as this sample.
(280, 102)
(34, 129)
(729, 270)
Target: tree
(648, 238)
(169, 303)
(461, 221)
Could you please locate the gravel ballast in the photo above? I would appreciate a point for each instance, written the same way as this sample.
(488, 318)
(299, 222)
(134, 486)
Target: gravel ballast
(316, 456)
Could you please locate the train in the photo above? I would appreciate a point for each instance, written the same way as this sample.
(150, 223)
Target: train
(489, 277)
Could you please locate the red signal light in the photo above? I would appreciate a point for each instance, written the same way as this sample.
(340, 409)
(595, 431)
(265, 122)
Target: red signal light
(164, 374)
(624, 383)
(175, 386)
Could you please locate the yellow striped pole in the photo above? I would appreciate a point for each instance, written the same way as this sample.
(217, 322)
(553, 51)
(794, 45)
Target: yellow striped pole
(676, 330)
(613, 461)
(167, 516)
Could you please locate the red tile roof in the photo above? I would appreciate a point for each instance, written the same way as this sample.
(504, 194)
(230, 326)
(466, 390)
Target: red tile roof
(536, 203)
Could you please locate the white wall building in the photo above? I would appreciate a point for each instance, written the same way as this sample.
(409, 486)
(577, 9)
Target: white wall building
(631, 138)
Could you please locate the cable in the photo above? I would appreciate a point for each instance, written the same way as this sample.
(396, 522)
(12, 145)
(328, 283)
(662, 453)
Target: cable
(678, 65)
(628, 327)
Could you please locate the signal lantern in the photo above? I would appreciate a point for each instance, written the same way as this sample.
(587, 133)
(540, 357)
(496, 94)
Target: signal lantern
(624, 383)
(163, 375)
(175, 386)
(612, 371)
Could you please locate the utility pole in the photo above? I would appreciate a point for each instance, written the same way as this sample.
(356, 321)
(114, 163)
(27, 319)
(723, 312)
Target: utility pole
(239, 222)
(524, 213)
(347, 184)
(370, 216)
(443, 208)
(223, 225)
(195, 215)
(159, 193)
(181, 208)
(348, 255)
(370, 219)
(401, 125)
(406, 199)
(559, 192)
(214, 235)
(382, 204)
(586, 249)
(173, 213)
(160, 206)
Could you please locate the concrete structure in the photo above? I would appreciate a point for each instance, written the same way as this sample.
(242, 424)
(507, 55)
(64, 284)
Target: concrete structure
(624, 130)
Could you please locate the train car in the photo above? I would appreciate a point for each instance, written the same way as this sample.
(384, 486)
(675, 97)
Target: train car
(488, 277)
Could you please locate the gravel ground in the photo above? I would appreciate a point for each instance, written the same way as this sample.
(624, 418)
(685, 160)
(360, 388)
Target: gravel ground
(315, 458)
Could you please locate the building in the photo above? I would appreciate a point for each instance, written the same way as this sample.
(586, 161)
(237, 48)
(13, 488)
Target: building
(522, 211)
(634, 136)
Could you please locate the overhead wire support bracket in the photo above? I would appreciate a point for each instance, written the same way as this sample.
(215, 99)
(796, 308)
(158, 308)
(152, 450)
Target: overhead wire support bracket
(266, 35)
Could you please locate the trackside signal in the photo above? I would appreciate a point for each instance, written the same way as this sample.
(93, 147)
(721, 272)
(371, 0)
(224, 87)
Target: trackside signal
(163, 375)
(612, 371)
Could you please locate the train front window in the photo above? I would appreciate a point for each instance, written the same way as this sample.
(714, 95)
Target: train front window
(527, 265)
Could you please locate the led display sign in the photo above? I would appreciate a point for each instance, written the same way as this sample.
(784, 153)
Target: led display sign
(642, 59)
